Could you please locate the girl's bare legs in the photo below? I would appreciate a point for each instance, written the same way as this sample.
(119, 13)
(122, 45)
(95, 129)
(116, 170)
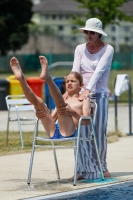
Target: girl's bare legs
(38, 103)
(26, 88)
(54, 91)
(67, 126)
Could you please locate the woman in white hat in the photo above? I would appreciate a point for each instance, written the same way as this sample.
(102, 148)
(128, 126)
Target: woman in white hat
(93, 59)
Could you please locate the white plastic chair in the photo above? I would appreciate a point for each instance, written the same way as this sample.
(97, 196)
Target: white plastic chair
(19, 104)
(74, 145)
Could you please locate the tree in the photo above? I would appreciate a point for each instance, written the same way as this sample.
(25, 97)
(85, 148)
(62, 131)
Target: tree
(108, 11)
(15, 16)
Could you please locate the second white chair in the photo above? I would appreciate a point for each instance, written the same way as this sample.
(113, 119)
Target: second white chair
(19, 104)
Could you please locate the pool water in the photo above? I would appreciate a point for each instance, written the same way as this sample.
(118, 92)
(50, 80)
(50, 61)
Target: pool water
(121, 191)
(114, 190)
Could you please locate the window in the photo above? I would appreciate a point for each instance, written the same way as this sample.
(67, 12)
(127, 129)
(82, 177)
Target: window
(113, 38)
(67, 16)
(60, 17)
(127, 39)
(126, 28)
(113, 28)
(53, 16)
(74, 38)
(60, 28)
(74, 28)
(46, 16)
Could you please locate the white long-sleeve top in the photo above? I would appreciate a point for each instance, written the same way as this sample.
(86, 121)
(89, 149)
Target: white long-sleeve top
(95, 68)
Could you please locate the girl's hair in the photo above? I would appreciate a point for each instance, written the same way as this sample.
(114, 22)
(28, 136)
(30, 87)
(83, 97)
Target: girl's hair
(77, 75)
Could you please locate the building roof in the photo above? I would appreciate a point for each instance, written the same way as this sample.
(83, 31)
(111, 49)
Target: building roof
(127, 7)
(59, 6)
(71, 7)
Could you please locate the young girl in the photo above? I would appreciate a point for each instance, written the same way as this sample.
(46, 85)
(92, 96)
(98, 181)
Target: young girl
(68, 111)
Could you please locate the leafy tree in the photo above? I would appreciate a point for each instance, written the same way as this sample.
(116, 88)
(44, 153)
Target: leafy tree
(108, 11)
(15, 16)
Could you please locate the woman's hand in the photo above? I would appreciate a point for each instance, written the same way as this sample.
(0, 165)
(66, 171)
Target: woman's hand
(84, 95)
(65, 110)
(40, 114)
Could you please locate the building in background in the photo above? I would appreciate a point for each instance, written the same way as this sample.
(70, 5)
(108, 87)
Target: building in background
(54, 33)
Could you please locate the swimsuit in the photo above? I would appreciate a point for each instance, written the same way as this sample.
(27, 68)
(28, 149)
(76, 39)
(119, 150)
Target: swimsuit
(57, 134)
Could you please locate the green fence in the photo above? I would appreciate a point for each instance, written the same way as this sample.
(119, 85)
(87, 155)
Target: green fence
(30, 62)
(122, 61)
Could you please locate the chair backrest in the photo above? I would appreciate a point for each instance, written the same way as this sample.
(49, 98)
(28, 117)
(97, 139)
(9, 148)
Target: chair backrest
(20, 101)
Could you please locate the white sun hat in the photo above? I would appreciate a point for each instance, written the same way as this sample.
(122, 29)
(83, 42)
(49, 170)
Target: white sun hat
(93, 24)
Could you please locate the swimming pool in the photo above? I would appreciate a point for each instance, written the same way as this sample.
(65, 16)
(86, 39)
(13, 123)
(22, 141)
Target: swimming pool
(117, 191)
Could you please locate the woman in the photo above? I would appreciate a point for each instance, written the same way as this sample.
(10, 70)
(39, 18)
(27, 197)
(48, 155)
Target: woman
(93, 59)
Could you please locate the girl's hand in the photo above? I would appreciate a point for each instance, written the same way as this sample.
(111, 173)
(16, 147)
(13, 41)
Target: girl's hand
(84, 95)
(65, 110)
(40, 114)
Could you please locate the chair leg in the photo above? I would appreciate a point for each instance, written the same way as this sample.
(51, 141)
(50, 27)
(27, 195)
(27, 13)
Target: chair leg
(32, 152)
(56, 163)
(20, 131)
(76, 163)
(96, 147)
(31, 163)
(36, 130)
(76, 155)
(7, 132)
(75, 145)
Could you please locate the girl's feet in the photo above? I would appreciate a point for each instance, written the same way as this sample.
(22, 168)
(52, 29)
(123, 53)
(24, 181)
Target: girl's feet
(44, 64)
(14, 64)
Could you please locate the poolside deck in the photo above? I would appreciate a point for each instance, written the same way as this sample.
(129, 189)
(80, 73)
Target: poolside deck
(14, 171)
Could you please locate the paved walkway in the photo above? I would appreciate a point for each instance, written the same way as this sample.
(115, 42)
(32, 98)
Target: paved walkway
(14, 171)
(14, 168)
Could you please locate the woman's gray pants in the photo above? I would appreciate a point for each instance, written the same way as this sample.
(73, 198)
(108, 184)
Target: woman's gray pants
(88, 166)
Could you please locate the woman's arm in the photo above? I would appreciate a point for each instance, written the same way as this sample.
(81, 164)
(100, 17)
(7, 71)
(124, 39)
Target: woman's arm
(102, 66)
(77, 59)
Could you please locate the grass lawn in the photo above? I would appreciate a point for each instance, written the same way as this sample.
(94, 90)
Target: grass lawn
(14, 144)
